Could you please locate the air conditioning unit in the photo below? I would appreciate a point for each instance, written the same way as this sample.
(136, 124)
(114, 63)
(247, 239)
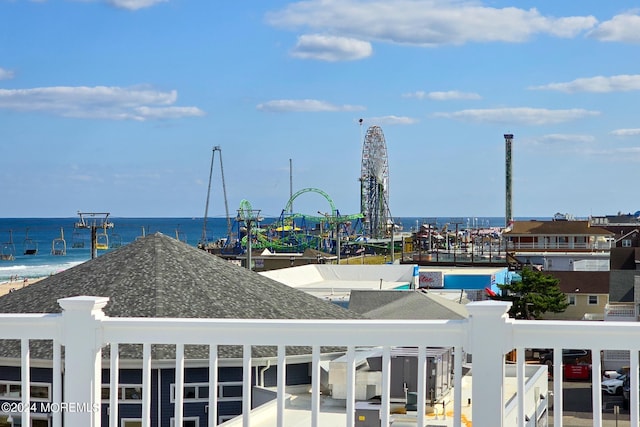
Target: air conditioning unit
(367, 414)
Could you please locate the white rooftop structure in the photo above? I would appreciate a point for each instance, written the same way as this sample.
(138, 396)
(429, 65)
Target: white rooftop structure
(333, 411)
(335, 282)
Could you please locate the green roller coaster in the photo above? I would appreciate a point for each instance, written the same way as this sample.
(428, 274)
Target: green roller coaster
(296, 232)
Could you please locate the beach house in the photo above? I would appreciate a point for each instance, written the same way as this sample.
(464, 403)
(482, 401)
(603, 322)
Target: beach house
(564, 245)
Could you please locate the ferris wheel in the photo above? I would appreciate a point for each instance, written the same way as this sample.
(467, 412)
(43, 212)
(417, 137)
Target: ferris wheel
(374, 183)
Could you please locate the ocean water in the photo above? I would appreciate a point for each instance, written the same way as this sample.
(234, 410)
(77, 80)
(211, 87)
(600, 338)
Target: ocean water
(17, 235)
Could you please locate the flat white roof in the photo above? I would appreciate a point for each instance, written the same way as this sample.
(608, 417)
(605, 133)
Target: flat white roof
(334, 282)
(332, 277)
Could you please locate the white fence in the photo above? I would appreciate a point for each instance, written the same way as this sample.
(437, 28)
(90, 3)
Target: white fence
(596, 246)
(488, 334)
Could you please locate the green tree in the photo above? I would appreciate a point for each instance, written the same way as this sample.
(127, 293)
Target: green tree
(536, 294)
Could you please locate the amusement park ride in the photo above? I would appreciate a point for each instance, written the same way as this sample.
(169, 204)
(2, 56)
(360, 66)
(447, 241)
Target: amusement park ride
(327, 231)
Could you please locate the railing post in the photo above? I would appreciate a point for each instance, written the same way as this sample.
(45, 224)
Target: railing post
(82, 338)
(490, 338)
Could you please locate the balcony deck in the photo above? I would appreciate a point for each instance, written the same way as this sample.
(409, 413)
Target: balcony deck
(488, 335)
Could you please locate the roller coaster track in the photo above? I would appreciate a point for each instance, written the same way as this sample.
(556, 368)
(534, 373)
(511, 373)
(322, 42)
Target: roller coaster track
(292, 240)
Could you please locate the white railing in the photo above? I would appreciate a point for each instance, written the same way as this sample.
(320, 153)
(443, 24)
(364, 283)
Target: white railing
(488, 334)
(620, 311)
(597, 246)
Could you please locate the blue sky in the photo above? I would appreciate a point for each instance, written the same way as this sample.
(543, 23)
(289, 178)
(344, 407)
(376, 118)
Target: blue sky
(115, 105)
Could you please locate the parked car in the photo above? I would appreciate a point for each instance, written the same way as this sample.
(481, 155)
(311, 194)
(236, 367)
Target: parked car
(614, 385)
(615, 374)
(569, 356)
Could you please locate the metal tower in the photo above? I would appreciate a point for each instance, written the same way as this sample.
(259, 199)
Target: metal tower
(203, 238)
(508, 217)
(94, 223)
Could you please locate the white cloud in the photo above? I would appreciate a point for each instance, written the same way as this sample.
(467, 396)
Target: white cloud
(167, 112)
(443, 96)
(425, 22)
(620, 28)
(6, 74)
(304, 105)
(101, 102)
(520, 115)
(134, 4)
(331, 48)
(82, 177)
(391, 120)
(630, 150)
(600, 84)
(563, 137)
(625, 132)
(123, 4)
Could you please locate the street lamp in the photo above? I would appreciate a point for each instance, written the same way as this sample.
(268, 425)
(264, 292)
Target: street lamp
(249, 216)
(393, 243)
(335, 219)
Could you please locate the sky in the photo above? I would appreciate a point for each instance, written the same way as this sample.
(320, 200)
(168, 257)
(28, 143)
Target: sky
(116, 106)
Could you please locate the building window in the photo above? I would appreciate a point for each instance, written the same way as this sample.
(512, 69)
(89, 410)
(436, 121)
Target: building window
(231, 391)
(15, 420)
(187, 422)
(593, 299)
(571, 299)
(199, 392)
(129, 393)
(12, 390)
(626, 243)
(193, 392)
(131, 422)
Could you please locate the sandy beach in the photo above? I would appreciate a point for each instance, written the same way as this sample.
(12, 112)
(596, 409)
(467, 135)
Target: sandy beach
(6, 287)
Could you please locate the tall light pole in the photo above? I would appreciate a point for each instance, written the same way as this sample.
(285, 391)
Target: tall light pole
(335, 220)
(457, 222)
(338, 249)
(393, 243)
(249, 216)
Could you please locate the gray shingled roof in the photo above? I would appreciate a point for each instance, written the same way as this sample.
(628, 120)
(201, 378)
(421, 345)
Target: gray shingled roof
(362, 301)
(622, 285)
(405, 305)
(158, 276)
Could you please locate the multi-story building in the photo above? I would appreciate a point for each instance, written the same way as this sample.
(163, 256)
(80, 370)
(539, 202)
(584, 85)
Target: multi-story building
(559, 245)
(587, 294)
(626, 228)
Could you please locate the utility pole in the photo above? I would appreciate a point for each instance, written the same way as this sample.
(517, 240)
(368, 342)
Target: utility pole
(457, 222)
(97, 220)
(291, 185)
